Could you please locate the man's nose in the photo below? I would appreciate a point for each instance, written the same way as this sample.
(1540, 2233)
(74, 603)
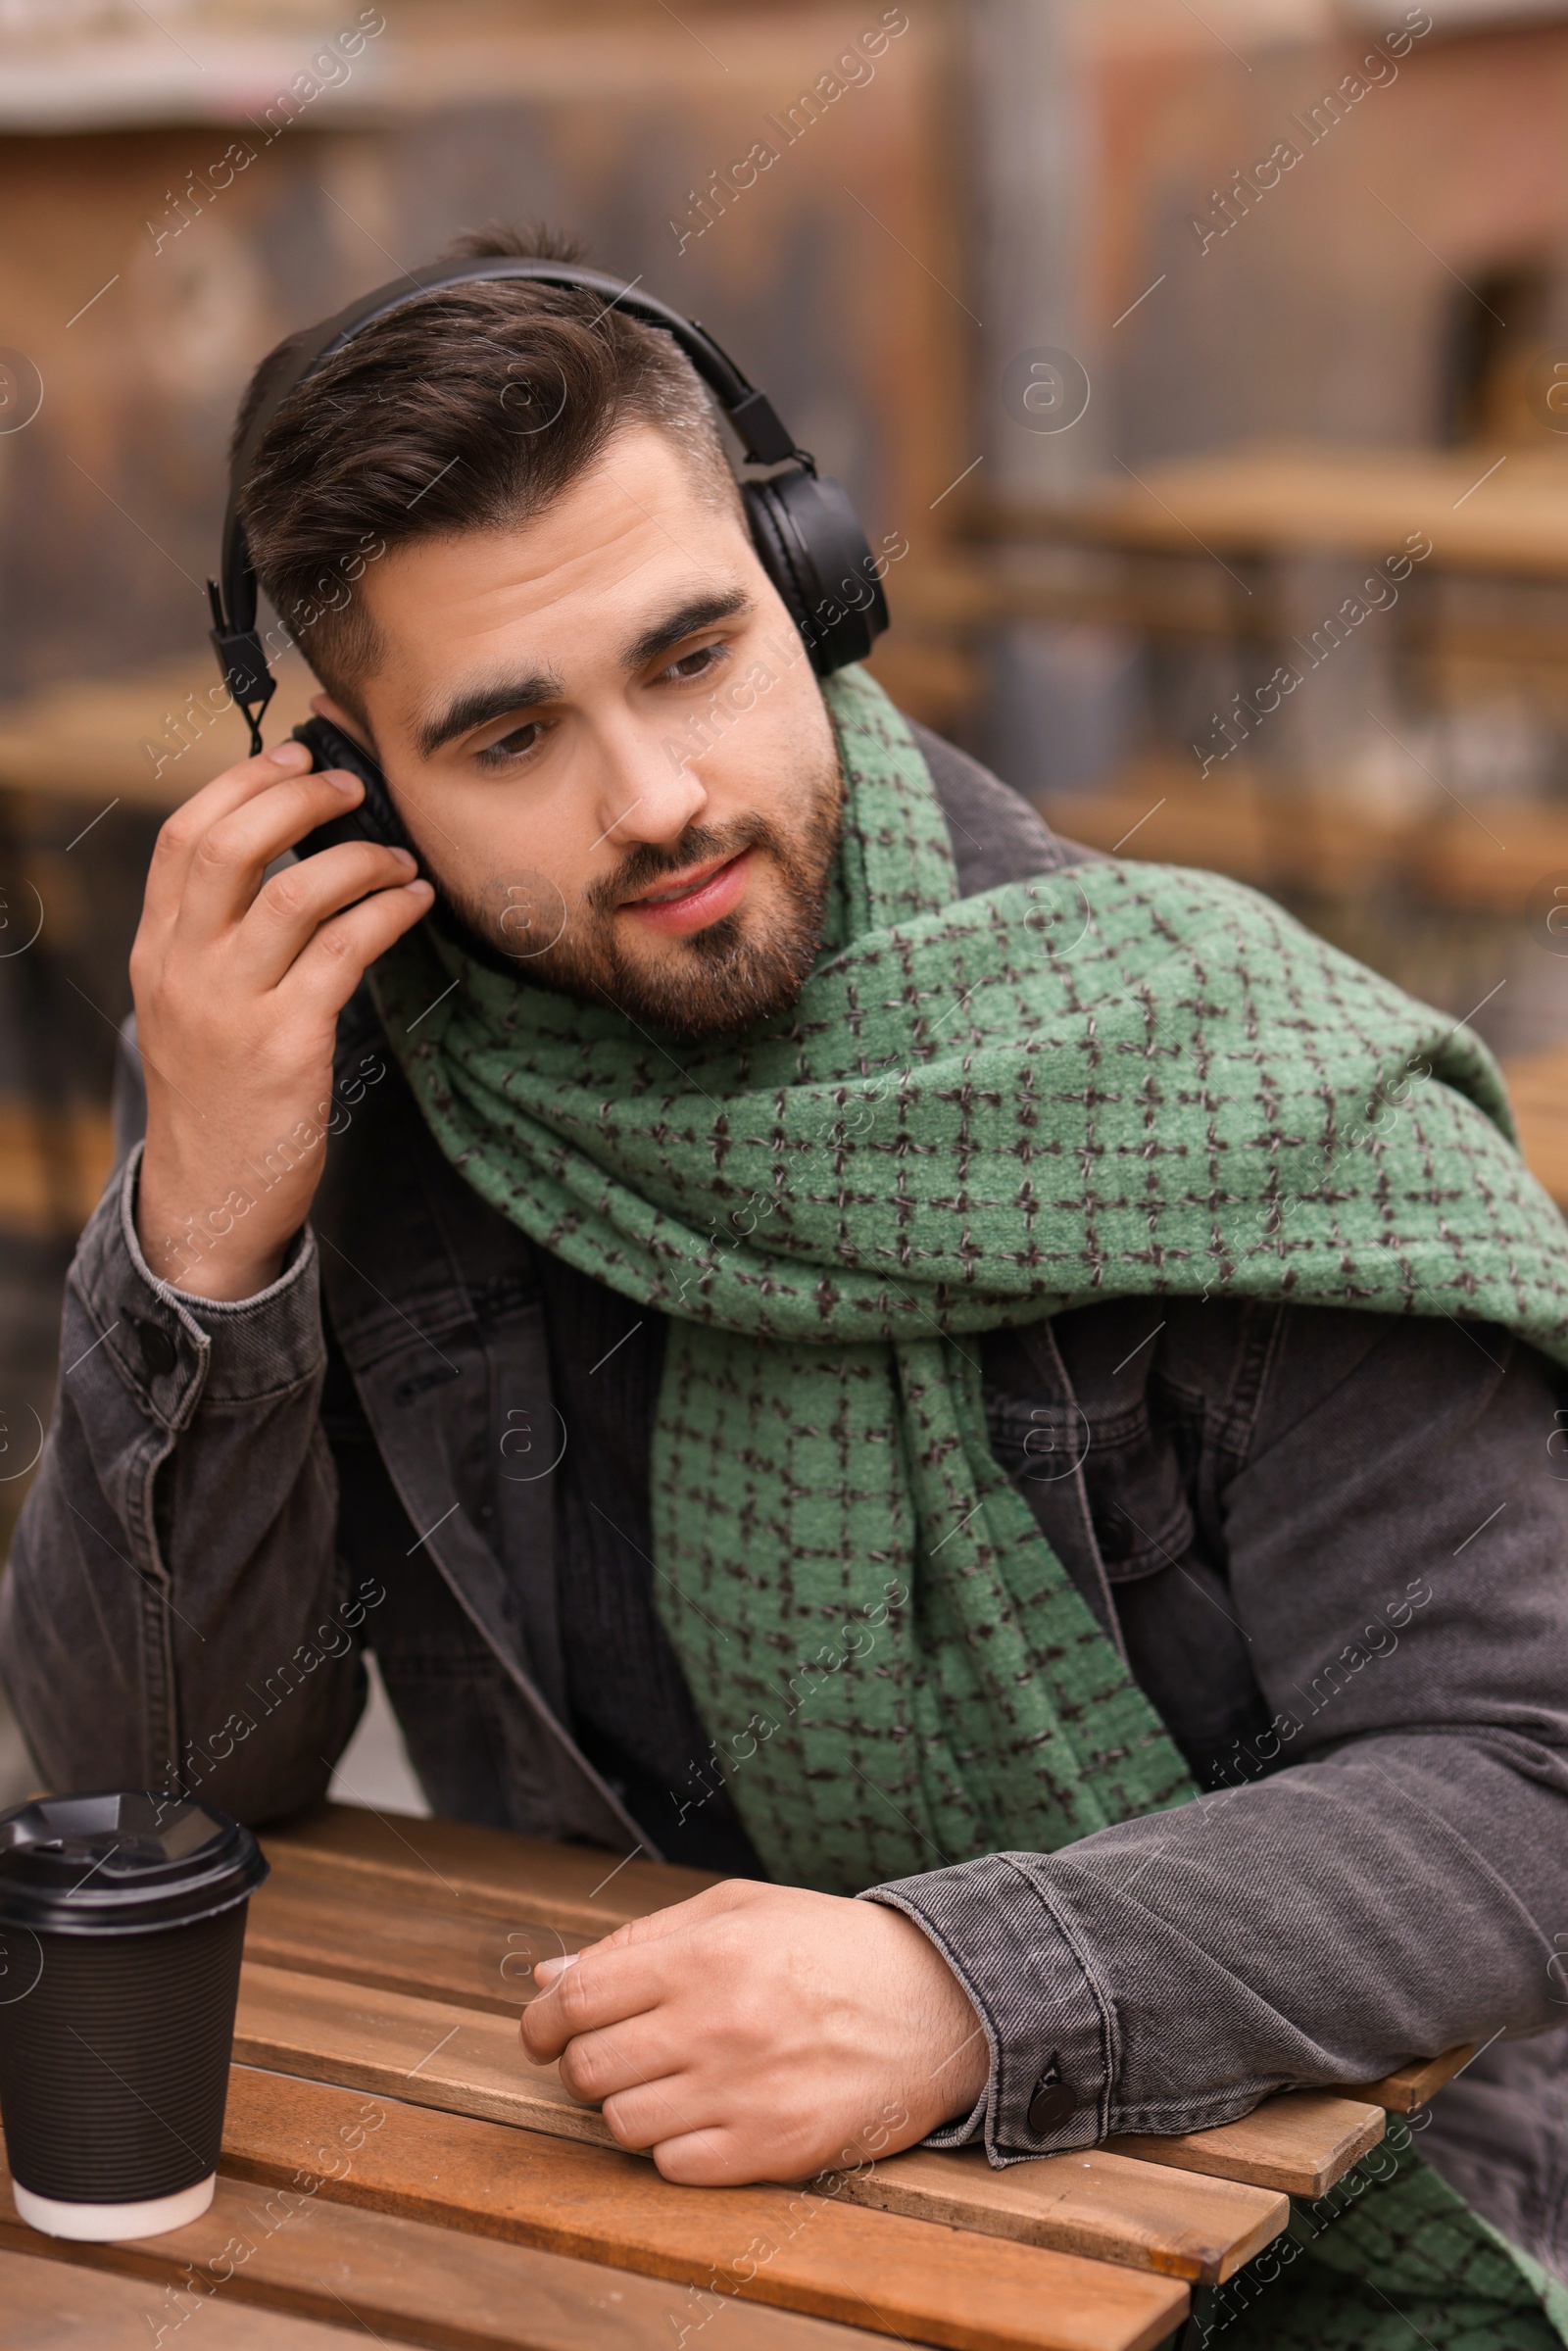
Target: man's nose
(652, 801)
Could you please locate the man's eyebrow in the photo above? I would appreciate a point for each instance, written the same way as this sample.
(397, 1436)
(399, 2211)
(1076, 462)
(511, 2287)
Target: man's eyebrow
(478, 704)
(698, 612)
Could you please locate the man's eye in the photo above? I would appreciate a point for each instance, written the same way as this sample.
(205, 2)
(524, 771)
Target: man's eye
(507, 748)
(696, 664)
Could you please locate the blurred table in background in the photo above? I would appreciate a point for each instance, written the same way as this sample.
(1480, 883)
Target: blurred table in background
(151, 738)
(1315, 838)
(1243, 560)
(1204, 547)
(1484, 511)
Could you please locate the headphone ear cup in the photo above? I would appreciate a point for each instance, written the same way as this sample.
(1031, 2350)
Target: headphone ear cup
(810, 542)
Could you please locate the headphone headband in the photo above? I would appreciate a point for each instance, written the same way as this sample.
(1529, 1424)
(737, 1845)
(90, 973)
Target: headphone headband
(241, 656)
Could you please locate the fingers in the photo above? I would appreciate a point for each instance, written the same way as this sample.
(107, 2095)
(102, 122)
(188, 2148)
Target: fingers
(226, 864)
(596, 2065)
(332, 965)
(178, 835)
(600, 1986)
(631, 1970)
(289, 908)
(660, 2114)
(544, 2024)
(701, 2159)
(210, 853)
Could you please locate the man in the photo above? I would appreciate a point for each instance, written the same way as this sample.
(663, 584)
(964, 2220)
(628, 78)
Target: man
(840, 1340)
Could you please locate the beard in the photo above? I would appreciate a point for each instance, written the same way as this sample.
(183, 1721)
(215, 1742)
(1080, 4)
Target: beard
(740, 971)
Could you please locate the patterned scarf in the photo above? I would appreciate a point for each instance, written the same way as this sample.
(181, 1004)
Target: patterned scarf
(1115, 1079)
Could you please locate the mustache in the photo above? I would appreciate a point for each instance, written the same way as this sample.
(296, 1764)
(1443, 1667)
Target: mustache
(650, 863)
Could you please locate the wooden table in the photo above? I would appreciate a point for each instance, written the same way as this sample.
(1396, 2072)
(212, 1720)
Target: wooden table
(394, 2165)
(148, 739)
(1499, 513)
(1204, 547)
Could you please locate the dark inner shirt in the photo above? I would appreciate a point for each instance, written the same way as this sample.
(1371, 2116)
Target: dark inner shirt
(630, 1710)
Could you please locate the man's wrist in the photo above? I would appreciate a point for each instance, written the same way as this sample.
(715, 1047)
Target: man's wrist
(956, 2059)
(203, 1253)
(213, 1277)
(1050, 2033)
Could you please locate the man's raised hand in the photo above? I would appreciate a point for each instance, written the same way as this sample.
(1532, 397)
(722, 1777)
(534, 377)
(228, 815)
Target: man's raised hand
(238, 984)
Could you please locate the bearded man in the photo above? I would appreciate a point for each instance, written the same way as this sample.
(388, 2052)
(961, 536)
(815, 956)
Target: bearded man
(841, 1340)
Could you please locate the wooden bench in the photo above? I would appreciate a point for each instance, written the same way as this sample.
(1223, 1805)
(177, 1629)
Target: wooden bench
(393, 2162)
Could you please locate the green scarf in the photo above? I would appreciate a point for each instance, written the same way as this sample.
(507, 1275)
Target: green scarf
(1121, 1079)
(1115, 1079)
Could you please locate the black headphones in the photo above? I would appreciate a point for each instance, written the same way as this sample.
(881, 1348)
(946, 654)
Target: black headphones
(807, 537)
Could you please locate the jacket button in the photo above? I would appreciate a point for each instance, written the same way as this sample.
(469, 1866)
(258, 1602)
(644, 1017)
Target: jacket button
(158, 1350)
(1052, 2104)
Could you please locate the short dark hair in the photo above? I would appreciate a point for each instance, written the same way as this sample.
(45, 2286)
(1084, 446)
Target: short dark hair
(469, 410)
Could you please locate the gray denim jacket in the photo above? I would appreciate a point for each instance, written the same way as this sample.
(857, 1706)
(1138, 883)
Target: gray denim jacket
(1331, 1545)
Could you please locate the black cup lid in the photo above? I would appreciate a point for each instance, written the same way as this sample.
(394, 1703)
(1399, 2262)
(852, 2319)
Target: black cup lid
(122, 1864)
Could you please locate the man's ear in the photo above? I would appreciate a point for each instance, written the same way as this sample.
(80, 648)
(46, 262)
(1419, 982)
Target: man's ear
(326, 708)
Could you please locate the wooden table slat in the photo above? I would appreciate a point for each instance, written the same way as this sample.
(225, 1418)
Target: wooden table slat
(459, 2061)
(1301, 2141)
(464, 2060)
(780, 2247)
(1103, 2205)
(365, 1933)
(58, 2306)
(409, 2282)
(374, 1932)
(581, 1888)
(1412, 2085)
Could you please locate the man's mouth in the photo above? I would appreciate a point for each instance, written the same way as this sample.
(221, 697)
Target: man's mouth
(691, 900)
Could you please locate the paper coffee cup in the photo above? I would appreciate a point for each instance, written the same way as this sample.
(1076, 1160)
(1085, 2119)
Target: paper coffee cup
(121, 1922)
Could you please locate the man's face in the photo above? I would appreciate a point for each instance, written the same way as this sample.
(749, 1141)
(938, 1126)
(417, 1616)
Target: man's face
(604, 736)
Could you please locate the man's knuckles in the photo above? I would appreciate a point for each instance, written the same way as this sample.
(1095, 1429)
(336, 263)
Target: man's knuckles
(226, 846)
(262, 826)
(632, 1933)
(590, 2069)
(285, 894)
(336, 943)
(628, 2128)
(540, 2032)
(177, 836)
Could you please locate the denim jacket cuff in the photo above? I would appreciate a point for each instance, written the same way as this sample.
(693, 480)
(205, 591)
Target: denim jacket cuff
(173, 1349)
(1048, 2019)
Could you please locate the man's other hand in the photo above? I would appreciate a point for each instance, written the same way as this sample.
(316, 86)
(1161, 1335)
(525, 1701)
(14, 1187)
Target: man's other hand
(763, 2033)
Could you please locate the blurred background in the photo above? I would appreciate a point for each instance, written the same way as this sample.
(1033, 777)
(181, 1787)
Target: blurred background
(1211, 360)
